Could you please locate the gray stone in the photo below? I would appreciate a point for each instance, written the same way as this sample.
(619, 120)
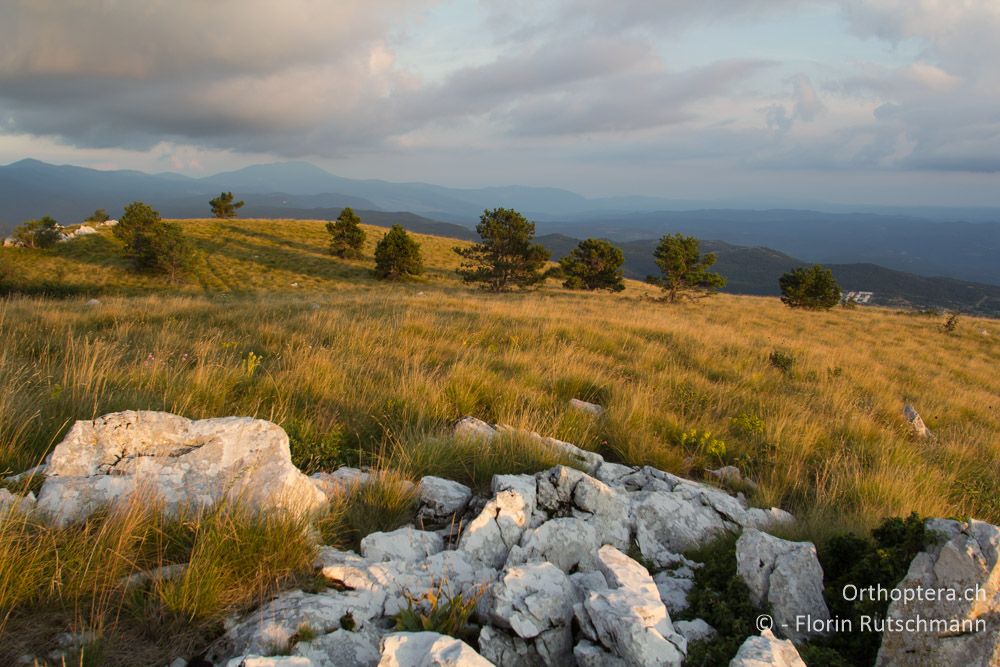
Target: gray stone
(441, 499)
(592, 409)
(695, 631)
(916, 423)
(183, 462)
(428, 649)
(567, 543)
(667, 524)
(491, 535)
(767, 651)
(341, 647)
(406, 544)
(786, 576)
(966, 559)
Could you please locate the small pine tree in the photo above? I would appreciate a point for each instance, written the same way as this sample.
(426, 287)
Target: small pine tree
(684, 269)
(812, 287)
(346, 235)
(223, 206)
(98, 216)
(41, 233)
(151, 245)
(594, 265)
(506, 258)
(397, 255)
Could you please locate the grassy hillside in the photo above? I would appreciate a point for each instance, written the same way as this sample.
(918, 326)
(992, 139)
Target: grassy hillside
(363, 372)
(383, 369)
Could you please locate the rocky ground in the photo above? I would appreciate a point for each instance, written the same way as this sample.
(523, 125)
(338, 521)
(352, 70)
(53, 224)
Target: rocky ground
(575, 565)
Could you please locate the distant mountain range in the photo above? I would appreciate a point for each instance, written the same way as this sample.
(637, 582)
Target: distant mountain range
(961, 244)
(755, 270)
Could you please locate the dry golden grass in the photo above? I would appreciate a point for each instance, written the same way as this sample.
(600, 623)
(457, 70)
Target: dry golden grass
(359, 371)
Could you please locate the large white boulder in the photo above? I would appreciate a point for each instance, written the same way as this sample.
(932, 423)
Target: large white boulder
(491, 535)
(341, 647)
(586, 407)
(442, 499)
(180, 461)
(568, 543)
(428, 649)
(629, 619)
(767, 651)
(406, 544)
(786, 576)
(667, 523)
(964, 566)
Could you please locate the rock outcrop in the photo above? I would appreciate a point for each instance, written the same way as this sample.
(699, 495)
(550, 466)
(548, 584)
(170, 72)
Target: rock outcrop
(179, 461)
(767, 651)
(787, 577)
(961, 624)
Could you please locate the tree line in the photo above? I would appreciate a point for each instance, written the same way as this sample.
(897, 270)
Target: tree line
(506, 258)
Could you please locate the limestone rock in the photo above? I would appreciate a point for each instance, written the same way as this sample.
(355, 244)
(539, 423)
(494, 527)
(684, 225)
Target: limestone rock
(342, 480)
(27, 474)
(23, 504)
(269, 661)
(966, 559)
(530, 599)
(588, 654)
(341, 647)
(183, 462)
(470, 428)
(767, 651)
(916, 423)
(272, 626)
(406, 544)
(491, 535)
(566, 491)
(673, 591)
(785, 575)
(587, 408)
(441, 499)
(667, 524)
(629, 620)
(567, 543)
(695, 631)
(428, 649)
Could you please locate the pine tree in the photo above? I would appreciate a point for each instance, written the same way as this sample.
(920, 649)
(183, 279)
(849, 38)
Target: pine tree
(684, 269)
(812, 287)
(41, 233)
(397, 255)
(151, 245)
(223, 206)
(346, 236)
(594, 265)
(506, 258)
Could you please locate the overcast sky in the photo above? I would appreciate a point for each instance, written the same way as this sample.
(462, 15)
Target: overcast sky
(881, 101)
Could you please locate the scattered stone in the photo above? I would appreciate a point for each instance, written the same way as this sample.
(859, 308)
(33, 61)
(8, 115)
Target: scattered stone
(11, 242)
(967, 558)
(916, 423)
(341, 647)
(673, 590)
(767, 651)
(428, 649)
(667, 524)
(162, 573)
(27, 474)
(342, 480)
(181, 461)
(695, 631)
(8, 500)
(731, 476)
(470, 428)
(92, 303)
(442, 499)
(629, 619)
(784, 575)
(405, 544)
(587, 408)
(269, 661)
(491, 535)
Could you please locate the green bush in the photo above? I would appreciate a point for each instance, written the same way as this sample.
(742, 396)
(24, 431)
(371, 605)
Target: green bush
(507, 257)
(684, 271)
(346, 236)
(41, 233)
(813, 288)
(594, 265)
(397, 255)
(438, 611)
(783, 361)
(151, 245)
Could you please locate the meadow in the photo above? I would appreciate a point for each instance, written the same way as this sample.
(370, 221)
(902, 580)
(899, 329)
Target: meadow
(361, 372)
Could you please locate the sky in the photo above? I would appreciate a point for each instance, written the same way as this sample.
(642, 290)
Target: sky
(841, 101)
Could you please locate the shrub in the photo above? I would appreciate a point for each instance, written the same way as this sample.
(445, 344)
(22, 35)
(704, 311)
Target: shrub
(813, 288)
(438, 611)
(684, 270)
(507, 257)
(594, 265)
(41, 233)
(223, 206)
(704, 444)
(346, 236)
(151, 245)
(783, 361)
(748, 425)
(397, 255)
(950, 324)
(98, 216)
